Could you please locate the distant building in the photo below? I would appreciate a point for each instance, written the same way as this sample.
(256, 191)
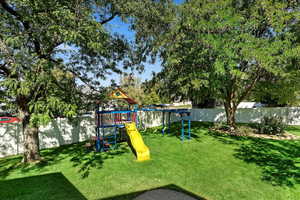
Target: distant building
(251, 105)
(183, 103)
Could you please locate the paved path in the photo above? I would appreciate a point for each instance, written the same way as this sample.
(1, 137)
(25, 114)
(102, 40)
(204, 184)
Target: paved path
(164, 194)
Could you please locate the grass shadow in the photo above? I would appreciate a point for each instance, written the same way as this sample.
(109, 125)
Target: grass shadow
(9, 164)
(278, 159)
(78, 154)
(52, 186)
(225, 138)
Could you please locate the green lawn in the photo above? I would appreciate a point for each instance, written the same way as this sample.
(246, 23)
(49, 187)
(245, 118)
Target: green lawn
(294, 129)
(209, 166)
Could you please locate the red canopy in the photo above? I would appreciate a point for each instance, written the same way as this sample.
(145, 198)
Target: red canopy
(8, 119)
(130, 101)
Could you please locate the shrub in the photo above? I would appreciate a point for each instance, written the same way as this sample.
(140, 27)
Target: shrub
(240, 130)
(271, 125)
(244, 130)
(221, 126)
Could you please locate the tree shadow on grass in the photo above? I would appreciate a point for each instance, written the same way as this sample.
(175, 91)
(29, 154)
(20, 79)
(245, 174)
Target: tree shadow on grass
(227, 139)
(81, 158)
(9, 164)
(52, 186)
(278, 159)
(86, 160)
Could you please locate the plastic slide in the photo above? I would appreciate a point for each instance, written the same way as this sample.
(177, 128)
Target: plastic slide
(142, 151)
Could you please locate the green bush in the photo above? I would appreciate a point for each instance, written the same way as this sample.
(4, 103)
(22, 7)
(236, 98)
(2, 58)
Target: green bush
(221, 126)
(271, 125)
(240, 130)
(244, 130)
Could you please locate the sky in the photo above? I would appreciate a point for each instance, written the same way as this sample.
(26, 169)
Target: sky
(118, 26)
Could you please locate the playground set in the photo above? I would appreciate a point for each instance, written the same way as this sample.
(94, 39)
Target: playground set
(128, 119)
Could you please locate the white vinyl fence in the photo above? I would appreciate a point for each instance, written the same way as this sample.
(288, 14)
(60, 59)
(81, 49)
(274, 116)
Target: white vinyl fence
(290, 115)
(59, 132)
(62, 131)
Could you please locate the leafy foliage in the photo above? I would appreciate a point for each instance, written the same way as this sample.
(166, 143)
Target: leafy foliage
(221, 126)
(47, 49)
(273, 125)
(278, 91)
(224, 48)
(50, 48)
(136, 90)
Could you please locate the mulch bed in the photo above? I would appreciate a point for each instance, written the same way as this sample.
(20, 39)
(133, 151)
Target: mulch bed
(284, 136)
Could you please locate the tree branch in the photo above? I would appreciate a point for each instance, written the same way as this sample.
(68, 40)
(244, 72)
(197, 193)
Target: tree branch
(248, 89)
(78, 76)
(5, 70)
(110, 18)
(26, 25)
(10, 10)
(83, 80)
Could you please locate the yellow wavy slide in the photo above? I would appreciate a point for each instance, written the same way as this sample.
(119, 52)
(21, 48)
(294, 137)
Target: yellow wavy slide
(142, 151)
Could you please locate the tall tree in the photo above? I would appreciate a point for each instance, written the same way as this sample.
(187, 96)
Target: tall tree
(226, 47)
(48, 47)
(137, 90)
(173, 86)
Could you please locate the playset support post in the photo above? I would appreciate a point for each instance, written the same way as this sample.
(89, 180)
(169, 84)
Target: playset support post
(169, 122)
(163, 123)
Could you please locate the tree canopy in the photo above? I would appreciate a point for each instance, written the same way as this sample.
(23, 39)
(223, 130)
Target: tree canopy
(137, 90)
(224, 48)
(49, 47)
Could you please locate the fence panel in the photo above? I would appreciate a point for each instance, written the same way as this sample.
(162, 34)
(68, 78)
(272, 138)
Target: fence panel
(62, 131)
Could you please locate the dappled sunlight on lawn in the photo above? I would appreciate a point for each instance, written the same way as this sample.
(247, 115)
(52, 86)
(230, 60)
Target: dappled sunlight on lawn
(209, 165)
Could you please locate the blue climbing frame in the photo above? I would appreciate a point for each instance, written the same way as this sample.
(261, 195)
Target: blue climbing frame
(111, 119)
(117, 118)
(185, 116)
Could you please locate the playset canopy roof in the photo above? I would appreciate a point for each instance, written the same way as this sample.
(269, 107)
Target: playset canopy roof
(120, 94)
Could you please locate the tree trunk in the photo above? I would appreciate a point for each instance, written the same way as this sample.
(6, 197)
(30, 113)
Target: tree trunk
(31, 145)
(31, 140)
(230, 114)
